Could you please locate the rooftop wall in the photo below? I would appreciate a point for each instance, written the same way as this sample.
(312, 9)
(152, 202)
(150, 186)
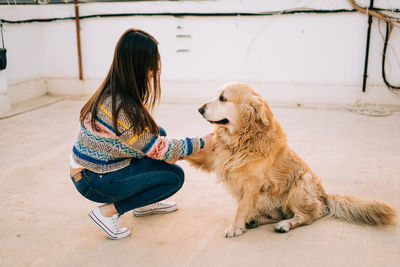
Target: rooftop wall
(305, 58)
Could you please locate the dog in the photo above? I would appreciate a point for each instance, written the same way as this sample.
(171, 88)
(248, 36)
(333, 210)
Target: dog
(271, 183)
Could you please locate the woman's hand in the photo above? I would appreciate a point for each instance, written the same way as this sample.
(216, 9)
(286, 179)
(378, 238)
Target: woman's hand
(205, 159)
(207, 148)
(208, 143)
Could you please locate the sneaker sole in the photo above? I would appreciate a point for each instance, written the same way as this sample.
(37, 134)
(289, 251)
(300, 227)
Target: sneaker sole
(104, 228)
(158, 211)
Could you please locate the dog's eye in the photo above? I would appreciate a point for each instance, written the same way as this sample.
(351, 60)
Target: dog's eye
(222, 98)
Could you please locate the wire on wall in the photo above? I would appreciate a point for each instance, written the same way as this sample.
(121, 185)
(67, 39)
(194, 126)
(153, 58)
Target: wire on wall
(194, 14)
(392, 21)
(389, 28)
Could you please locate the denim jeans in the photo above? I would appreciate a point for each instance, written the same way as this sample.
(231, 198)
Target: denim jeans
(144, 181)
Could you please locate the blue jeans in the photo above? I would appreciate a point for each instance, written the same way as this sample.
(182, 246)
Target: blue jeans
(144, 181)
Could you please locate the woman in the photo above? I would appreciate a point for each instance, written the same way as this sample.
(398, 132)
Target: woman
(120, 154)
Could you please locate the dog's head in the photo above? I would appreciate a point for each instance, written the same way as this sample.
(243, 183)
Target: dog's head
(237, 107)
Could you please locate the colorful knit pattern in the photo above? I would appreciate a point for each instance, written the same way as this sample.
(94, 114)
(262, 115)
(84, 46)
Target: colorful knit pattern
(104, 151)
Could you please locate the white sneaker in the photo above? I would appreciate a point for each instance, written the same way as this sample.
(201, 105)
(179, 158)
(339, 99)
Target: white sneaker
(110, 225)
(156, 208)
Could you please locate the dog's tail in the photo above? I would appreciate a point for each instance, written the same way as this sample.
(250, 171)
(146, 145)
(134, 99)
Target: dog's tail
(357, 210)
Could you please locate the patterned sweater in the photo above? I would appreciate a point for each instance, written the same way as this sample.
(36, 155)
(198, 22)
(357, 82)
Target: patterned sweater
(105, 151)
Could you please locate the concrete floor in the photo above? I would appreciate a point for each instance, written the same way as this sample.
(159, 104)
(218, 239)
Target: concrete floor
(44, 220)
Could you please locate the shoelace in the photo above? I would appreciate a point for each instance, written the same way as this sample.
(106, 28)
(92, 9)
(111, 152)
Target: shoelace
(162, 204)
(116, 220)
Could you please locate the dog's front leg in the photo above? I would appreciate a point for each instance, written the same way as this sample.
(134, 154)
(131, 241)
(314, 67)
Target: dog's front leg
(203, 161)
(238, 227)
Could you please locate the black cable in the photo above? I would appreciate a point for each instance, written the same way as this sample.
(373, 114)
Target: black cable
(387, 36)
(183, 14)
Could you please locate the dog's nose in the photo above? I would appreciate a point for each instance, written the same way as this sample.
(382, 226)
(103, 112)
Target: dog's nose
(202, 110)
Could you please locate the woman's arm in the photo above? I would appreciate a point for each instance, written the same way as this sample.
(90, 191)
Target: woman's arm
(161, 147)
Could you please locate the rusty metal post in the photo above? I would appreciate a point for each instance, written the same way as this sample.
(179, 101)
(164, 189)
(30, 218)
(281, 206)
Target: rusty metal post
(78, 38)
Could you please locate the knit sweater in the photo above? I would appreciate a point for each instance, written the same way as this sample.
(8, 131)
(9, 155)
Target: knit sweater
(105, 151)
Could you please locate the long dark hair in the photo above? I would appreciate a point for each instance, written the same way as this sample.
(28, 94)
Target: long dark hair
(127, 82)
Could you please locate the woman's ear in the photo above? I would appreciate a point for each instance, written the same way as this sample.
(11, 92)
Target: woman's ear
(262, 110)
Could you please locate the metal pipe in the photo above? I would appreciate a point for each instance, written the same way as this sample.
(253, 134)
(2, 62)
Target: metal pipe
(78, 38)
(371, 5)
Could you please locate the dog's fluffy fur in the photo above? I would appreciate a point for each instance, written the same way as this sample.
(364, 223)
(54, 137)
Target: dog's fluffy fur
(271, 183)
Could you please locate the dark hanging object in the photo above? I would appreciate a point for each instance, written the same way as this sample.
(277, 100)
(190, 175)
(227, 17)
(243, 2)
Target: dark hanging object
(3, 51)
(3, 58)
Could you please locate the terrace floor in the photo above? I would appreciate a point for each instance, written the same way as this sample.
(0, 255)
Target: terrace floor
(44, 219)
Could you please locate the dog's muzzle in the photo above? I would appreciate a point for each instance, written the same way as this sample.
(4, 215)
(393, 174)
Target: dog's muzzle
(202, 110)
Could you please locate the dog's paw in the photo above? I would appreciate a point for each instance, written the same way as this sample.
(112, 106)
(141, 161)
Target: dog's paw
(233, 231)
(252, 224)
(282, 227)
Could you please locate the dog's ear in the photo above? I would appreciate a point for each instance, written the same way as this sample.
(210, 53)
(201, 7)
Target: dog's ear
(247, 114)
(261, 110)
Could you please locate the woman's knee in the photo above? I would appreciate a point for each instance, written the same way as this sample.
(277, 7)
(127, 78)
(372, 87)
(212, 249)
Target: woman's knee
(180, 175)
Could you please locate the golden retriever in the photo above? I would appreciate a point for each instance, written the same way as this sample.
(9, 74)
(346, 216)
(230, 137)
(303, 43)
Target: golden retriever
(271, 183)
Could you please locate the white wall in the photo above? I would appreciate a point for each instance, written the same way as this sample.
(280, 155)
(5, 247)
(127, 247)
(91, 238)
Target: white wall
(291, 58)
(5, 106)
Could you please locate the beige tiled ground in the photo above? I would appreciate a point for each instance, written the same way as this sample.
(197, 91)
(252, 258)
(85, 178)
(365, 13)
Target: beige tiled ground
(44, 220)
